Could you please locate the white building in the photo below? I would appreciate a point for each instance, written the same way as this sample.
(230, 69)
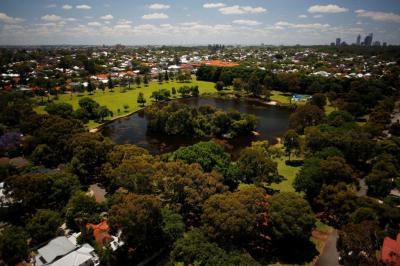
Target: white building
(62, 251)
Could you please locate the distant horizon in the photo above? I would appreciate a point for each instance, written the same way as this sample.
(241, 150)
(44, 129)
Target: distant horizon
(183, 23)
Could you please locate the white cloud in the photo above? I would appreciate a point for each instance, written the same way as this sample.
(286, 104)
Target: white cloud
(155, 16)
(94, 24)
(123, 27)
(246, 22)
(312, 26)
(124, 21)
(51, 6)
(158, 6)
(9, 20)
(83, 7)
(71, 19)
(67, 7)
(51, 18)
(303, 16)
(214, 5)
(378, 16)
(107, 17)
(327, 9)
(238, 10)
(318, 16)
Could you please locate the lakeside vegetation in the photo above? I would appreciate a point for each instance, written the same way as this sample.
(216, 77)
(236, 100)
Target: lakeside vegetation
(126, 102)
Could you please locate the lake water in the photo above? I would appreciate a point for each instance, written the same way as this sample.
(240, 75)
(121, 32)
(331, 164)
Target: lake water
(273, 123)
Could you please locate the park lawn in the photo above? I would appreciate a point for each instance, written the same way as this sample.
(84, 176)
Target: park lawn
(117, 99)
(279, 97)
(288, 172)
(329, 108)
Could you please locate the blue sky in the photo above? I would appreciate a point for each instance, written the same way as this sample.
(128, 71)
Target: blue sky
(186, 22)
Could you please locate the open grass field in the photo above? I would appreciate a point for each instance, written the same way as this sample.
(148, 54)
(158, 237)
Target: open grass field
(117, 99)
(280, 97)
(289, 172)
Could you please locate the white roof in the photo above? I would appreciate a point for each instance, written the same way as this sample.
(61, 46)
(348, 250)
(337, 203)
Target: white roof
(59, 246)
(77, 257)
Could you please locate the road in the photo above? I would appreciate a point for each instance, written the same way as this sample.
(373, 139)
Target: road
(330, 255)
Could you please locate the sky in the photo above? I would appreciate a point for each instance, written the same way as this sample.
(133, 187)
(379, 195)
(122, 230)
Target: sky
(192, 22)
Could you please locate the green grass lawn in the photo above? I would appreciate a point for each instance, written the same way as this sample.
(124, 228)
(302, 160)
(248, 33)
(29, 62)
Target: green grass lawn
(279, 97)
(289, 172)
(116, 100)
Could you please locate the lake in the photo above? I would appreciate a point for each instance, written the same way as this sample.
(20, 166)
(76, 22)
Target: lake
(273, 123)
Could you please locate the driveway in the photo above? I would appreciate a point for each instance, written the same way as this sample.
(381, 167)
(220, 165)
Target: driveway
(330, 255)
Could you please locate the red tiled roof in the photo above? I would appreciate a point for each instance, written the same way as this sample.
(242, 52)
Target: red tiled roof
(219, 63)
(390, 252)
(100, 232)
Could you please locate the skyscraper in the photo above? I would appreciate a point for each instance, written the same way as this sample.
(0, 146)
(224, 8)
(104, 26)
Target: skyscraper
(358, 42)
(338, 41)
(368, 40)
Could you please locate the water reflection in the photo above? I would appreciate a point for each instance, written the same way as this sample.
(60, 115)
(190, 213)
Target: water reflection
(273, 122)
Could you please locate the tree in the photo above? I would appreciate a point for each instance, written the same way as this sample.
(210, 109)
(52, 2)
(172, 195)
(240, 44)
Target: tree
(291, 141)
(166, 77)
(63, 110)
(173, 90)
(173, 226)
(195, 249)
(90, 87)
(132, 174)
(110, 84)
(89, 106)
(141, 100)
(210, 156)
(357, 244)
(318, 99)
(80, 210)
(146, 80)
(35, 191)
(103, 112)
(254, 85)
(89, 152)
(13, 245)
(185, 187)
(138, 81)
(381, 180)
(219, 86)
(256, 167)
(290, 217)
(43, 155)
(160, 78)
(234, 217)
(43, 225)
(139, 217)
(336, 203)
(195, 91)
(102, 87)
(237, 84)
(305, 116)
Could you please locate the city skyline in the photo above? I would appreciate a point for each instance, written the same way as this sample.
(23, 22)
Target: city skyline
(198, 22)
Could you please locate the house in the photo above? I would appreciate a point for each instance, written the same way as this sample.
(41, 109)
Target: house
(390, 251)
(55, 249)
(83, 256)
(103, 237)
(62, 251)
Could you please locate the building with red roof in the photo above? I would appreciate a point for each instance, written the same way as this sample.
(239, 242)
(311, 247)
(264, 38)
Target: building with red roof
(100, 232)
(102, 236)
(390, 252)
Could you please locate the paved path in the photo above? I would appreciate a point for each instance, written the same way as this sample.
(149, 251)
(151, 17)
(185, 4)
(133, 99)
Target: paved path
(330, 255)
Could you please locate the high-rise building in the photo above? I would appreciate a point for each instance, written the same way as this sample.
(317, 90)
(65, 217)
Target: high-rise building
(338, 41)
(368, 40)
(358, 41)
